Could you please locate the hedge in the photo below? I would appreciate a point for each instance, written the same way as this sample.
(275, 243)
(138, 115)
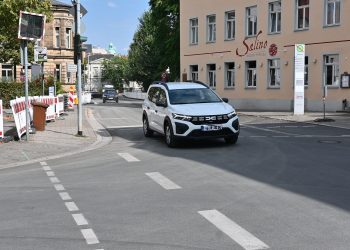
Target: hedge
(11, 90)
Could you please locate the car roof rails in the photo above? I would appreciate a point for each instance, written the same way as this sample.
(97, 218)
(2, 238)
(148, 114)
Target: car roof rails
(199, 82)
(161, 83)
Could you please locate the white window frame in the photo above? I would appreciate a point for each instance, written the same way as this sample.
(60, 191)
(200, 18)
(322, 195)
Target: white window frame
(253, 19)
(251, 73)
(8, 69)
(194, 73)
(278, 17)
(211, 75)
(230, 25)
(211, 29)
(304, 8)
(336, 9)
(230, 75)
(274, 72)
(57, 37)
(194, 31)
(331, 60)
(68, 38)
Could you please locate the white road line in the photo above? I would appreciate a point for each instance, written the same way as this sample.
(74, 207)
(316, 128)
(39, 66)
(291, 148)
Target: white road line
(280, 136)
(163, 181)
(59, 187)
(126, 126)
(65, 196)
(345, 136)
(309, 126)
(291, 126)
(269, 130)
(50, 173)
(274, 127)
(25, 155)
(54, 180)
(43, 163)
(258, 136)
(128, 157)
(71, 206)
(80, 219)
(90, 236)
(47, 168)
(233, 230)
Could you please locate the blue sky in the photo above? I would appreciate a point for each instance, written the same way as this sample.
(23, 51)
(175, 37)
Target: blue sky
(112, 21)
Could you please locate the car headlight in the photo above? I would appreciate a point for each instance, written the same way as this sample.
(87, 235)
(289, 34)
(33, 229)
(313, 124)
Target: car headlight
(182, 117)
(231, 115)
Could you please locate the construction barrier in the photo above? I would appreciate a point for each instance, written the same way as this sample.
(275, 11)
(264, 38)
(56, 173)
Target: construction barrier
(1, 121)
(71, 98)
(51, 110)
(59, 101)
(19, 114)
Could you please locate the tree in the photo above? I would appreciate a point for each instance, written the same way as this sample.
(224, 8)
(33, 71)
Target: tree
(9, 19)
(114, 70)
(143, 54)
(165, 16)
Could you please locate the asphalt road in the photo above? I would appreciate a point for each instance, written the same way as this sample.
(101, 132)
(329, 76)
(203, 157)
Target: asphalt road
(282, 186)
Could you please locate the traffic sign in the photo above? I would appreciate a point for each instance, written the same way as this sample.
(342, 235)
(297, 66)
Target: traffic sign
(72, 68)
(40, 54)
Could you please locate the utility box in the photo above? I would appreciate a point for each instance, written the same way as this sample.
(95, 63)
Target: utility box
(39, 115)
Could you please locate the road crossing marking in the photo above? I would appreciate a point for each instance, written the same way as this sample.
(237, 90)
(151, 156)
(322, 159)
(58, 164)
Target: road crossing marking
(128, 157)
(163, 181)
(47, 168)
(65, 196)
(90, 236)
(50, 173)
(43, 163)
(270, 130)
(59, 187)
(233, 230)
(54, 180)
(80, 219)
(71, 206)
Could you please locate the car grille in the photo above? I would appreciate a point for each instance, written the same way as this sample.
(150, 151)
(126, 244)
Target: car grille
(218, 133)
(209, 119)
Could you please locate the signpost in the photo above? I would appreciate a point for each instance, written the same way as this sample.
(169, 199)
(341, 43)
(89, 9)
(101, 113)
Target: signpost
(40, 54)
(299, 81)
(31, 27)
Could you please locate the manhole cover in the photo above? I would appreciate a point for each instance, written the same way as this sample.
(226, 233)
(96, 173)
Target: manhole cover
(329, 142)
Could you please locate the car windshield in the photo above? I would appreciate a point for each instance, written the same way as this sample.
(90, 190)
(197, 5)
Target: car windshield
(110, 92)
(190, 96)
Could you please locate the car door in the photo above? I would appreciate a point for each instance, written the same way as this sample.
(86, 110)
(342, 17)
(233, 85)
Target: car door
(150, 106)
(160, 110)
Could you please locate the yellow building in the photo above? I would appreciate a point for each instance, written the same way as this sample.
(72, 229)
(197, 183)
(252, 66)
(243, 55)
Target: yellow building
(245, 50)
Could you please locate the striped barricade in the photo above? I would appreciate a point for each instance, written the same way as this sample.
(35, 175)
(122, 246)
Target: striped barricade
(71, 98)
(59, 101)
(19, 114)
(1, 121)
(50, 111)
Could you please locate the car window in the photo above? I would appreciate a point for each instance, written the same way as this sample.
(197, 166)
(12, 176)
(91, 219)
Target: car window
(162, 96)
(188, 96)
(152, 94)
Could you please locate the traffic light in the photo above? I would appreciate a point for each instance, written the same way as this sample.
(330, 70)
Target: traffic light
(78, 46)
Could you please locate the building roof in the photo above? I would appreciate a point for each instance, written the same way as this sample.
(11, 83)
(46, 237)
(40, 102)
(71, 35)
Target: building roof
(58, 3)
(99, 56)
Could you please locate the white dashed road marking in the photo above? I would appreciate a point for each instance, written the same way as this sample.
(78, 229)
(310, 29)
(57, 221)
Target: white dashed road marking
(80, 219)
(163, 181)
(47, 168)
(59, 187)
(128, 157)
(65, 196)
(43, 163)
(54, 180)
(90, 236)
(233, 230)
(71, 206)
(50, 173)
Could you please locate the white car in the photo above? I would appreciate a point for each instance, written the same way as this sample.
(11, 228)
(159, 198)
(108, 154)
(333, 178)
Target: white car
(188, 110)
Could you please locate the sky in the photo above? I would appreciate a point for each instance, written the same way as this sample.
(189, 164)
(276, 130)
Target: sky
(111, 21)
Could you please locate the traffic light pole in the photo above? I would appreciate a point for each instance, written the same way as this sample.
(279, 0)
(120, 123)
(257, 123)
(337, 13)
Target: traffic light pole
(80, 106)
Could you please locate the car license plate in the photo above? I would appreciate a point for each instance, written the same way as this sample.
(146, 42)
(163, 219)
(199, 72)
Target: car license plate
(211, 127)
(110, 98)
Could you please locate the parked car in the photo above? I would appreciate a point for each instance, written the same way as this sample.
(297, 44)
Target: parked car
(188, 110)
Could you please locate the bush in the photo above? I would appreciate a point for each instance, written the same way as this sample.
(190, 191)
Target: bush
(11, 90)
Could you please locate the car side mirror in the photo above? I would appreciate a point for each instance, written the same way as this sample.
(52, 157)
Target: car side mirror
(225, 100)
(161, 104)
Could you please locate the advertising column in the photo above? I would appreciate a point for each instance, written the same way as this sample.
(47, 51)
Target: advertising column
(299, 81)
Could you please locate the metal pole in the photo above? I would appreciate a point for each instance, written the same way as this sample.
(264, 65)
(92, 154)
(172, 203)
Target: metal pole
(26, 88)
(43, 77)
(80, 106)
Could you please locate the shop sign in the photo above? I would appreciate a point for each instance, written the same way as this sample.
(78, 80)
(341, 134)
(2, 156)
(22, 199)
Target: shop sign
(256, 47)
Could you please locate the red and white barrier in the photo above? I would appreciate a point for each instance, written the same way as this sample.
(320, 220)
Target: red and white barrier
(71, 98)
(19, 114)
(1, 121)
(51, 110)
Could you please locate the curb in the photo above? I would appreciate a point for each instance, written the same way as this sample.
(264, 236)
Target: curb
(290, 120)
(101, 141)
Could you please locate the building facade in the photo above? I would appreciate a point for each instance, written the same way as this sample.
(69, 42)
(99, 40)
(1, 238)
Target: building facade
(245, 50)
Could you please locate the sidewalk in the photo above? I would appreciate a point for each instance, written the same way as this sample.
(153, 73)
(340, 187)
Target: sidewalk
(58, 140)
(341, 120)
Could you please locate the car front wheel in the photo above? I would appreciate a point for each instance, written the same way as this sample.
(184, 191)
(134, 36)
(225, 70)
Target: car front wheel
(170, 139)
(146, 130)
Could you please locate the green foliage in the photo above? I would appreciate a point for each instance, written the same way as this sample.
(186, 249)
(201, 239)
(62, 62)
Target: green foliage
(156, 43)
(9, 19)
(114, 70)
(11, 90)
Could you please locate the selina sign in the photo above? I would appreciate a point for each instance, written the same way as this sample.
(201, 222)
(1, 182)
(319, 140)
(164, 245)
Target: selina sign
(256, 46)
